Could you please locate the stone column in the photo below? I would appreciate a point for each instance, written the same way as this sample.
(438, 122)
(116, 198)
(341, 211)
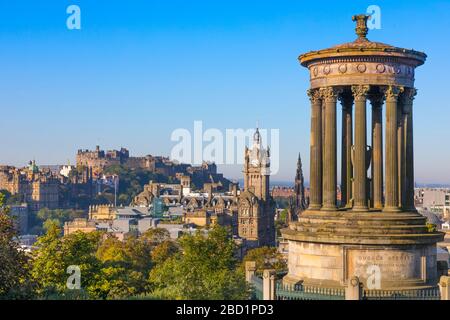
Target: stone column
(444, 287)
(269, 284)
(360, 193)
(391, 202)
(323, 133)
(407, 99)
(377, 150)
(347, 142)
(329, 96)
(401, 152)
(315, 182)
(250, 270)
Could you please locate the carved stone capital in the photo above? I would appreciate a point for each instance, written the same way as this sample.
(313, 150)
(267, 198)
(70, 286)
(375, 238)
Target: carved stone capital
(376, 100)
(314, 96)
(391, 93)
(330, 94)
(346, 99)
(407, 98)
(360, 92)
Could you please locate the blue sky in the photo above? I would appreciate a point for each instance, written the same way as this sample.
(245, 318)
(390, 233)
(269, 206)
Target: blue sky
(139, 69)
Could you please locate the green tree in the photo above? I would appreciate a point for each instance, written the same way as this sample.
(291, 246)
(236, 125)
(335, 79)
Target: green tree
(131, 182)
(5, 195)
(164, 251)
(284, 215)
(11, 199)
(281, 222)
(205, 268)
(57, 253)
(125, 269)
(156, 236)
(266, 258)
(14, 271)
(41, 221)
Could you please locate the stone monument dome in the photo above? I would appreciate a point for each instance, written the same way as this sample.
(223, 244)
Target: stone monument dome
(362, 61)
(375, 226)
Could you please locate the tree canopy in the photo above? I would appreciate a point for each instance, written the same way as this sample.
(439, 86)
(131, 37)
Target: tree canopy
(132, 181)
(204, 268)
(14, 271)
(266, 258)
(40, 222)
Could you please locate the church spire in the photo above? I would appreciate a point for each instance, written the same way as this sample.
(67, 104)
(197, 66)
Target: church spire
(257, 137)
(300, 201)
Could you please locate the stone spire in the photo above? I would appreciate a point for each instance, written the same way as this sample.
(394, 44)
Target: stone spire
(257, 137)
(300, 201)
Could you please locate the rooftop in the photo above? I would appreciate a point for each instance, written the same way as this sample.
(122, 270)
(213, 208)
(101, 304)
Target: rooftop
(362, 46)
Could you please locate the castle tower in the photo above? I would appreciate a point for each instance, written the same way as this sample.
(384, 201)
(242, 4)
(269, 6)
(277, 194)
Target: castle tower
(256, 208)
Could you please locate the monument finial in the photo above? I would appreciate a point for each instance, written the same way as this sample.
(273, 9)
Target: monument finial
(361, 25)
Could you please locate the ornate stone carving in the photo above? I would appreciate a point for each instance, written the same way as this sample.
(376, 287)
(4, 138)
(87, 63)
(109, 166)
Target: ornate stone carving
(314, 95)
(376, 100)
(381, 68)
(361, 25)
(391, 93)
(407, 98)
(315, 71)
(330, 94)
(346, 99)
(361, 68)
(408, 95)
(354, 281)
(360, 92)
(342, 68)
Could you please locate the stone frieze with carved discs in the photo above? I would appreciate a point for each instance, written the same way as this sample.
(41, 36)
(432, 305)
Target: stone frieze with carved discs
(335, 72)
(381, 68)
(361, 68)
(342, 68)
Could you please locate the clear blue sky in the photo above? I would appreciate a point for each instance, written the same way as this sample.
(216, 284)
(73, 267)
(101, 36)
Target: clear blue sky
(139, 69)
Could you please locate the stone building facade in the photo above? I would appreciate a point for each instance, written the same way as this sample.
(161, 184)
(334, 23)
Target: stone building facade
(39, 189)
(215, 210)
(249, 212)
(79, 224)
(256, 209)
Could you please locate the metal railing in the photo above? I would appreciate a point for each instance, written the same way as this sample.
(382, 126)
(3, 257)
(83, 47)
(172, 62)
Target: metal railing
(424, 294)
(301, 292)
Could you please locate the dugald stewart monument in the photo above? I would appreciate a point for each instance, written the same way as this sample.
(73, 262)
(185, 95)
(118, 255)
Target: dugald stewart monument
(376, 231)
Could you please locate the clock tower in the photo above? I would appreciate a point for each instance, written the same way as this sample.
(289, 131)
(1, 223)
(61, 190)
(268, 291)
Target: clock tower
(256, 206)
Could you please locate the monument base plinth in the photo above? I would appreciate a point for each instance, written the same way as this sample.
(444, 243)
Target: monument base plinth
(384, 250)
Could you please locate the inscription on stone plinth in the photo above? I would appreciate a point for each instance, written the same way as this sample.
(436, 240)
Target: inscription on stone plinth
(393, 265)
